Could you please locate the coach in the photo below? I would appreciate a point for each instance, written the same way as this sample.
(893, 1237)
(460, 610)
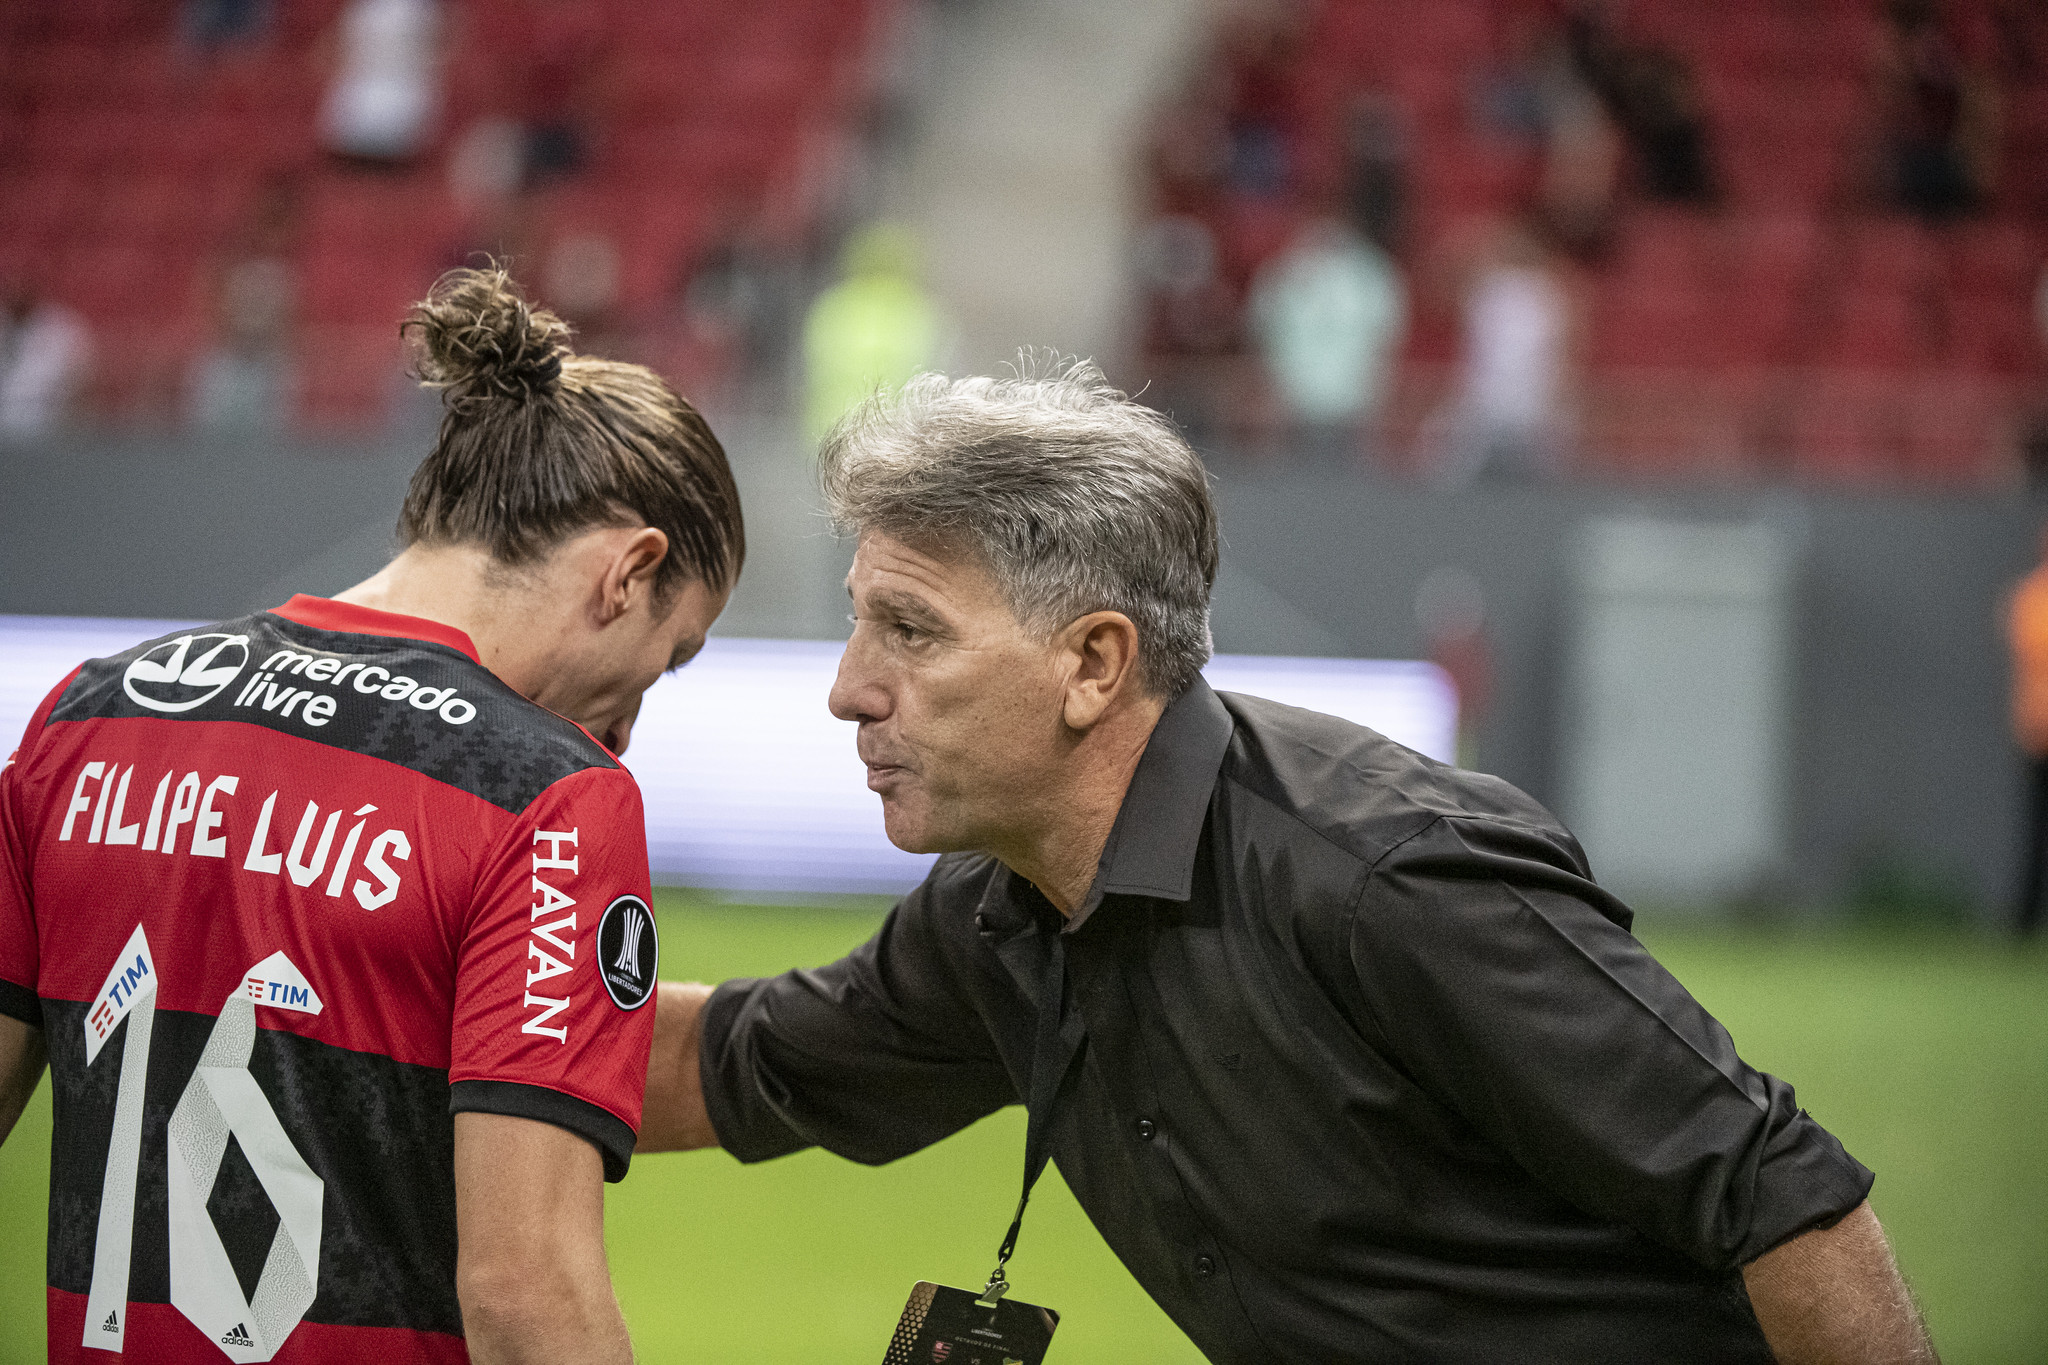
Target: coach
(1366, 1067)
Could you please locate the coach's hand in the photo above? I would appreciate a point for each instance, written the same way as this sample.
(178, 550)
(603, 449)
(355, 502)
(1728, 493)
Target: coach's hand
(531, 1274)
(672, 1117)
(1833, 1296)
(21, 1066)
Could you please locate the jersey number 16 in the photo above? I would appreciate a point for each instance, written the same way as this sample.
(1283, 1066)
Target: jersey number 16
(221, 1100)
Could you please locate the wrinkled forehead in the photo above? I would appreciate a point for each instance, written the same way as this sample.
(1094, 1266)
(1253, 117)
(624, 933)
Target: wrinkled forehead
(934, 572)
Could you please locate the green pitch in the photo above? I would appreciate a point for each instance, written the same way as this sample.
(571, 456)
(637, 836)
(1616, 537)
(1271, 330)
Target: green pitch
(1927, 1055)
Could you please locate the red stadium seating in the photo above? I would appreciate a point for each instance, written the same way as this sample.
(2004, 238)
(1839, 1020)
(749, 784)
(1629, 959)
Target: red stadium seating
(1799, 326)
(129, 169)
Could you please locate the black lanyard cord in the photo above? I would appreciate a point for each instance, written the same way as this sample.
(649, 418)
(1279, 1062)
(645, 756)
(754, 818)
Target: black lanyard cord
(1051, 1059)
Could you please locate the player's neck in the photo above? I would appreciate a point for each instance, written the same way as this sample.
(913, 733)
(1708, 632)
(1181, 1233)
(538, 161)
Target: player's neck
(464, 587)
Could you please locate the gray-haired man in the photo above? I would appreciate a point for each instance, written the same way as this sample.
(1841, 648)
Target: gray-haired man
(1346, 1054)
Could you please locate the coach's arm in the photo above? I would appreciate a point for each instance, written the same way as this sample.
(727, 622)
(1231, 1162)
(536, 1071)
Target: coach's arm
(672, 1116)
(1833, 1296)
(529, 1263)
(21, 1066)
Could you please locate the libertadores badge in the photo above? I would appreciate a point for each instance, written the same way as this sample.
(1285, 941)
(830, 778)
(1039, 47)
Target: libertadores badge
(628, 952)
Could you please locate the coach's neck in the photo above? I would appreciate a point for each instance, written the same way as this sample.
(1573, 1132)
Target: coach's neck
(1061, 857)
(1057, 838)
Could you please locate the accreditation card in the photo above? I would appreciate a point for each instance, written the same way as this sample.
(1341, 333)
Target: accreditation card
(946, 1326)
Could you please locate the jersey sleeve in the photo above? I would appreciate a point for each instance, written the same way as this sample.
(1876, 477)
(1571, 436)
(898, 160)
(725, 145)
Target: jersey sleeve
(1487, 962)
(555, 973)
(871, 1057)
(20, 959)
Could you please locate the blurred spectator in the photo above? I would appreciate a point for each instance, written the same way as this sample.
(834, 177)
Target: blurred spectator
(44, 351)
(2033, 428)
(206, 26)
(2027, 634)
(1328, 314)
(487, 165)
(580, 280)
(386, 91)
(1510, 411)
(1189, 305)
(243, 383)
(2041, 306)
(1377, 146)
(1511, 97)
(565, 52)
(1660, 111)
(486, 168)
(1191, 149)
(737, 309)
(1594, 47)
(1589, 97)
(1544, 91)
(873, 330)
(1938, 115)
(1450, 608)
(1190, 319)
(1583, 152)
(1259, 51)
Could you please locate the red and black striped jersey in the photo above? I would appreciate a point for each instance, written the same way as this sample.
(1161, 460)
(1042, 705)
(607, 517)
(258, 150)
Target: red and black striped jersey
(284, 894)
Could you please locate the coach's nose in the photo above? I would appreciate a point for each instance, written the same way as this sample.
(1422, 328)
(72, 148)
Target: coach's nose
(857, 690)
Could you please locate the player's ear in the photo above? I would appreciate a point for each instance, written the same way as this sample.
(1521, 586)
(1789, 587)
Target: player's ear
(629, 572)
(1100, 656)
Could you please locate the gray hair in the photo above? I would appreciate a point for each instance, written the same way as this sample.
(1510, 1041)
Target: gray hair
(1074, 497)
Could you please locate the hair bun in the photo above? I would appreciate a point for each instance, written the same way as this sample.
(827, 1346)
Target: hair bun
(481, 340)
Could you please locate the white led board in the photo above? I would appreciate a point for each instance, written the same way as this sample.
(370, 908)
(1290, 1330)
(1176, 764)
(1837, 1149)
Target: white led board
(749, 783)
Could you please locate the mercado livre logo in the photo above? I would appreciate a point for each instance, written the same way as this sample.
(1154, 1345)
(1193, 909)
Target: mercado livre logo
(185, 672)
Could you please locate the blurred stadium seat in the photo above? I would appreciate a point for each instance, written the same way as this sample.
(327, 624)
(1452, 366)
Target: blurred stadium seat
(128, 165)
(1797, 308)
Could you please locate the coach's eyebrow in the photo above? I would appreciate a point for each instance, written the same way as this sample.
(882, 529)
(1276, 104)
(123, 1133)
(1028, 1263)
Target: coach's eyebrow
(909, 607)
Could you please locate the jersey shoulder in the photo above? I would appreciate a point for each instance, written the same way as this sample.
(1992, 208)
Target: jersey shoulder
(424, 706)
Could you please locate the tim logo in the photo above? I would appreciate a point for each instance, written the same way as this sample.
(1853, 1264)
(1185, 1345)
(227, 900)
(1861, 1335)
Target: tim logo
(189, 671)
(628, 952)
(276, 982)
(112, 1006)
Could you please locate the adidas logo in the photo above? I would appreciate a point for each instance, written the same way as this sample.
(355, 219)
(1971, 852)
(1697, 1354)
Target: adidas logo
(112, 1324)
(239, 1336)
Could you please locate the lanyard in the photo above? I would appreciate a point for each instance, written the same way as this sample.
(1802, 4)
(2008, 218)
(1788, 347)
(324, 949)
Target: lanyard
(1051, 1059)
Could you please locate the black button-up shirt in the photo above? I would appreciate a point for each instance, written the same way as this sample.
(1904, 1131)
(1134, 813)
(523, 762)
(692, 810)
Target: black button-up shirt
(1370, 1069)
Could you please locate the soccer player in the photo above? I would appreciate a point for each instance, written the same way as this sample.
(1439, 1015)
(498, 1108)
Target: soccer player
(332, 920)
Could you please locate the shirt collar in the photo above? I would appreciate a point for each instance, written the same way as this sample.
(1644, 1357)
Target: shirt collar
(1151, 847)
(324, 613)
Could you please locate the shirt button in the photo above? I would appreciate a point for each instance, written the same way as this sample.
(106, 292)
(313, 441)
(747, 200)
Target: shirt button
(1204, 1267)
(1146, 1128)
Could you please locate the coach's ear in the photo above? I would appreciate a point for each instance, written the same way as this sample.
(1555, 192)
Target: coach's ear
(1099, 657)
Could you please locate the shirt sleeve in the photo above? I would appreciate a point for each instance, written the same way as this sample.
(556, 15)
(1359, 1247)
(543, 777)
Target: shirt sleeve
(20, 954)
(873, 1057)
(1510, 989)
(555, 973)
